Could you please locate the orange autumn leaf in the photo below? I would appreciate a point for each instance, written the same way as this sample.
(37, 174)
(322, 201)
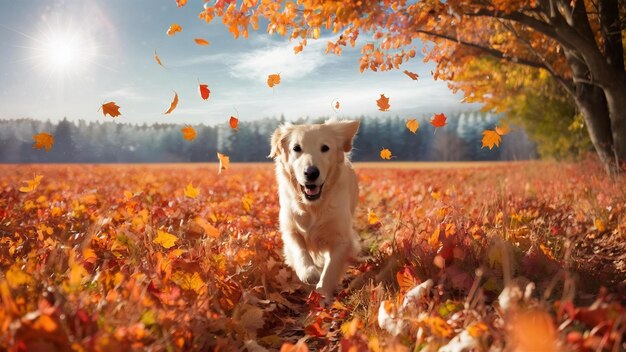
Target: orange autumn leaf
(233, 122)
(43, 140)
(165, 239)
(490, 139)
(224, 161)
(439, 327)
(45, 323)
(246, 202)
(502, 130)
(273, 79)
(412, 125)
(174, 28)
(477, 329)
(31, 185)
(201, 41)
(181, 3)
(383, 103)
(111, 109)
(208, 228)
(438, 120)
(406, 280)
(204, 91)
(158, 60)
(372, 218)
(337, 105)
(189, 133)
(385, 154)
(173, 104)
(191, 191)
(414, 76)
(301, 346)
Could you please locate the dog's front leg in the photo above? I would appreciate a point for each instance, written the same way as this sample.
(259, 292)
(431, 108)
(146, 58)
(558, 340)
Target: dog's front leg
(334, 267)
(298, 257)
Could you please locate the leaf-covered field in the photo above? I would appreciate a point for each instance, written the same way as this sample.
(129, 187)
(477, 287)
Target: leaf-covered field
(525, 256)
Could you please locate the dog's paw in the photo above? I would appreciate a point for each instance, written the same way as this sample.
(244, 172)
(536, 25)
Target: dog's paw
(310, 275)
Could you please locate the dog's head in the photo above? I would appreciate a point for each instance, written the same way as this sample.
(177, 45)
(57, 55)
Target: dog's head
(310, 152)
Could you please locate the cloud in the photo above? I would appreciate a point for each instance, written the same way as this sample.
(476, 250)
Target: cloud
(202, 60)
(129, 94)
(280, 58)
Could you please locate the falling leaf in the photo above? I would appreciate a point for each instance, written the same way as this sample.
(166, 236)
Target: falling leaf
(273, 80)
(502, 130)
(315, 330)
(385, 154)
(181, 3)
(174, 28)
(372, 218)
(439, 327)
(17, 277)
(233, 122)
(173, 104)
(599, 224)
(491, 138)
(31, 185)
(412, 125)
(204, 91)
(111, 109)
(201, 41)
(438, 120)
(477, 329)
(383, 103)
(45, 323)
(208, 228)
(167, 240)
(224, 161)
(246, 202)
(189, 133)
(158, 60)
(337, 105)
(414, 76)
(406, 280)
(43, 140)
(191, 191)
(188, 281)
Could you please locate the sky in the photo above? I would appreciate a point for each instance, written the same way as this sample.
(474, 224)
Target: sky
(66, 58)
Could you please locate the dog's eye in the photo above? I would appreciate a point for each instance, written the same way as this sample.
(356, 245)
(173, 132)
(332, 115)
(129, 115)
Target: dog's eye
(296, 148)
(325, 148)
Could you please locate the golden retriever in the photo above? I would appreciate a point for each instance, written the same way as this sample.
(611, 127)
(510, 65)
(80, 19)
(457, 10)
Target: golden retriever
(318, 193)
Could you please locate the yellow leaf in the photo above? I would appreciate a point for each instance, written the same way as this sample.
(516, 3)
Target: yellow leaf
(385, 154)
(273, 80)
(31, 185)
(16, 277)
(246, 202)
(187, 281)
(412, 125)
(477, 329)
(433, 240)
(191, 192)
(43, 140)
(224, 161)
(491, 138)
(189, 133)
(77, 274)
(167, 240)
(45, 323)
(372, 218)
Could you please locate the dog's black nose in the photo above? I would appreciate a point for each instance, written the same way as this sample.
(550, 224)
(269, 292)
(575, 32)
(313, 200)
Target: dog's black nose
(311, 173)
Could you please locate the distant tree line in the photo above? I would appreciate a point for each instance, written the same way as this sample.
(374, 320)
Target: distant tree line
(108, 142)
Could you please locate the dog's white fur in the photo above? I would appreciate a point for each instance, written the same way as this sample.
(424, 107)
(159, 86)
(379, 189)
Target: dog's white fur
(317, 234)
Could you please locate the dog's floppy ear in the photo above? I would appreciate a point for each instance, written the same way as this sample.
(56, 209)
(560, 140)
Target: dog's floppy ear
(278, 139)
(345, 130)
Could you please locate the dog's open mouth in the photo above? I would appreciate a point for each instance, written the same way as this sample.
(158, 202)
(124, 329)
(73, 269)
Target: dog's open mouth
(312, 191)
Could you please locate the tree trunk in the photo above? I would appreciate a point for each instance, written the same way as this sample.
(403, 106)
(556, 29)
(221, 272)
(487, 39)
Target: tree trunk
(616, 101)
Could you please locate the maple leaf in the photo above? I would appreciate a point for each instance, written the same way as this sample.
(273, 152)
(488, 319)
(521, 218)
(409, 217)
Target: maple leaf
(208, 228)
(383, 103)
(224, 161)
(181, 3)
(201, 41)
(204, 91)
(174, 28)
(43, 140)
(491, 138)
(233, 122)
(246, 202)
(31, 185)
(165, 239)
(385, 154)
(111, 109)
(406, 280)
(438, 120)
(189, 133)
(157, 59)
(502, 130)
(372, 218)
(191, 282)
(191, 191)
(414, 76)
(412, 125)
(273, 79)
(173, 104)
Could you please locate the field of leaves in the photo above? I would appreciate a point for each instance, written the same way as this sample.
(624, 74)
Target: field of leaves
(524, 256)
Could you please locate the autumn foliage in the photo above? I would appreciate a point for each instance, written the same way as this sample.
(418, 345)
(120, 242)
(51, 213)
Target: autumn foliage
(151, 257)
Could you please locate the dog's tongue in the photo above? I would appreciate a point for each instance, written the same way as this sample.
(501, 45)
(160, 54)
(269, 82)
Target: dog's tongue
(312, 191)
